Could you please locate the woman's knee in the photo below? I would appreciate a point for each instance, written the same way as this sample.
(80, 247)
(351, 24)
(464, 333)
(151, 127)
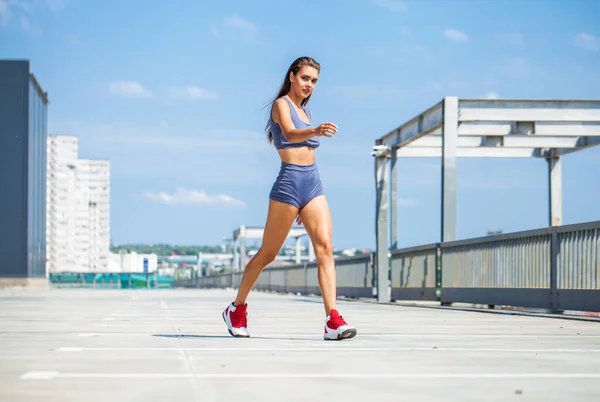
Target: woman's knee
(323, 248)
(267, 256)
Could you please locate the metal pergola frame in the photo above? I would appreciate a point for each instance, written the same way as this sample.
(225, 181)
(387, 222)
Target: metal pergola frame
(257, 232)
(477, 128)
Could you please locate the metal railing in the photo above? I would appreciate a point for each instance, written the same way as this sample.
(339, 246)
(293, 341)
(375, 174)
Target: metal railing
(578, 267)
(511, 269)
(354, 278)
(415, 273)
(555, 268)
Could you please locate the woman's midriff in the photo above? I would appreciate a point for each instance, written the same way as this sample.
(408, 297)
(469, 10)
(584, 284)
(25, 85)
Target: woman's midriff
(298, 156)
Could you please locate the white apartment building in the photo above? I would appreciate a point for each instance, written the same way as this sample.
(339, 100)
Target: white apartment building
(132, 262)
(60, 204)
(92, 216)
(78, 209)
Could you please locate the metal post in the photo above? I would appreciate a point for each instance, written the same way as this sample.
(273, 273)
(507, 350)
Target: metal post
(311, 251)
(306, 278)
(285, 280)
(394, 202)
(243, 253)
(381, 225)
(298, 250)
(554, 191)
(235, 261)
(554, 252)
(438, 271)
(269, 272)
(449, 145)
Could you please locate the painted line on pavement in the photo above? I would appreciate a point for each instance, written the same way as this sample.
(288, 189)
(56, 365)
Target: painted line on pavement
(50, 375)
(321, 348)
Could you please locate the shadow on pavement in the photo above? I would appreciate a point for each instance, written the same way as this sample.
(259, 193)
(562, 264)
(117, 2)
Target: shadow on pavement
(192, 336)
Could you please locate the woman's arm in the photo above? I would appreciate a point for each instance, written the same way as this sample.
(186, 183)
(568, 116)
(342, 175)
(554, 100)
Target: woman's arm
(282, 116)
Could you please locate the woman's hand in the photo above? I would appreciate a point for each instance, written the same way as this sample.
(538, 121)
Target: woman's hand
(299, 220)
(327, 130)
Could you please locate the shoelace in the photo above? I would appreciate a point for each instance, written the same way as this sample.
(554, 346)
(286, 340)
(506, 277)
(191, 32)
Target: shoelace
(338, 321)
(239, 319)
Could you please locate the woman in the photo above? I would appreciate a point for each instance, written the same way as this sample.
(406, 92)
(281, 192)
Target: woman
(296, 194)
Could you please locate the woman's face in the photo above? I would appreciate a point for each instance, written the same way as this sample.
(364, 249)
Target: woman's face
(304, 82)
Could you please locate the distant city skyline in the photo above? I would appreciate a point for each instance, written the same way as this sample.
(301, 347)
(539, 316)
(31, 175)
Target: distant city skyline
(173, 97)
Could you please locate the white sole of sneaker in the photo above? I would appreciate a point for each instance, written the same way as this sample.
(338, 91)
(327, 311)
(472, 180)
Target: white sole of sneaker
(347, 334)
(231, 332)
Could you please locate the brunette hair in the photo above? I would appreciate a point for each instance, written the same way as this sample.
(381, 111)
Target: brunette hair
(287, 85)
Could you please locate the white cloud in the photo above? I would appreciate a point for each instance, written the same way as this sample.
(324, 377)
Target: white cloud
(133, 89)
(55, 5)
(24, 10)
(587, 41)
(240, 23)
(492, 95)
(183, 196)
(28, 27)
(456, 35)
(193, 92)
(235, 27)
(129, 89)
(30, 6)
(391, 5)
(4, 13)
(27, 7)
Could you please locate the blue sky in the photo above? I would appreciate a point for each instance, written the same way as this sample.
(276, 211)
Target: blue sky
(172, 93)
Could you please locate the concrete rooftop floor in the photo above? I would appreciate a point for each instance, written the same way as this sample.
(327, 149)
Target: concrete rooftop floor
(172, 345)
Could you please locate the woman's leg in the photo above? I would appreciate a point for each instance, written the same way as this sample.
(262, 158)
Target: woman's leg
(316, 218)
(317, 221)
(279, 222)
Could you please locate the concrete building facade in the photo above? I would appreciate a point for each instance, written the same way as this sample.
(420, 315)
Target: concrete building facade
(23, 132)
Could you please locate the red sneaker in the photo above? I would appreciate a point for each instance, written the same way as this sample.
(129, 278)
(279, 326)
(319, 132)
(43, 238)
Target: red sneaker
(236, 319)
(336, 328)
